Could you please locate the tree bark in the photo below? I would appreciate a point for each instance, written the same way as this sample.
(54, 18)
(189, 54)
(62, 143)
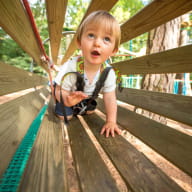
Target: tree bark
(184, 82)
(166, 36)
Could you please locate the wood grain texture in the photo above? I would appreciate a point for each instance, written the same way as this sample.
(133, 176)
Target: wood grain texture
(156, 13)
(55, 15)
(178, 60)
(16, 117)
(176, 107)
(13, 79)
(139, 173)
(45, 170)
(14, 20)
(170, 143)
(93, 174)
(94, 5)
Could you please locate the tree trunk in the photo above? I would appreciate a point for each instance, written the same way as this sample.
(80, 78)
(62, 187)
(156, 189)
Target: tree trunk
(166, 36)
(184, 86)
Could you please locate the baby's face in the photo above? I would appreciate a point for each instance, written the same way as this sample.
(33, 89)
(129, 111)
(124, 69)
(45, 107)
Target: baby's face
(97, 44)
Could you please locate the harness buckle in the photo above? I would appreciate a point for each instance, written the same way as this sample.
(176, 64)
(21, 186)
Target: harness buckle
(83, 110)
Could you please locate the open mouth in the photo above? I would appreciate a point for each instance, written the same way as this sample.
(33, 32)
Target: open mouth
(95, 53)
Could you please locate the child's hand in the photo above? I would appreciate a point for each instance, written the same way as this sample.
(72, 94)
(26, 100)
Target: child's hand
(75, 97)
(110, 128)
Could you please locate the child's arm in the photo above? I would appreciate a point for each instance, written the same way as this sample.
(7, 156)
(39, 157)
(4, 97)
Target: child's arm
(110, 126)
(69, 98)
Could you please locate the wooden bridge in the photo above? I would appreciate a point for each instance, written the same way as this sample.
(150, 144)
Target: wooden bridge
(48, 167)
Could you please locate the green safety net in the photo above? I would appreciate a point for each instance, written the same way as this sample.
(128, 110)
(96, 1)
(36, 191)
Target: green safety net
(10, 180)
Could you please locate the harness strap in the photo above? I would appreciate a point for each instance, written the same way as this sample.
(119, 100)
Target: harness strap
(100, 82)
(80, 87)
(79, 82)
(63, 108)
(39, 41)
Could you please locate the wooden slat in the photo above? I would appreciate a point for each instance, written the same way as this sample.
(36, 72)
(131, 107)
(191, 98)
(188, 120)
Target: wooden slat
(178, 60)
(55, 16)
(14, 20)
(46, 169)
(176, 107)
(16, 117)
(172, 144)
(139, 173)
(94, 5)
(13, 79)
(152, 16)
(93, 173)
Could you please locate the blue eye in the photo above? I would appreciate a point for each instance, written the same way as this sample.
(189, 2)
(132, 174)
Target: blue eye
(91, 35)
(107, 39)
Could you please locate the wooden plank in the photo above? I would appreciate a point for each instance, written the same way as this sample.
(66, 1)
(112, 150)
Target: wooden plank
(152, 16)
(172, 144)
(93, 174)
(16, 117)
(14, 20)
(55, 15)
(176, 107)
(178, 60)
(94, 5)
(46, 170)
(14, 79)
(139, 173)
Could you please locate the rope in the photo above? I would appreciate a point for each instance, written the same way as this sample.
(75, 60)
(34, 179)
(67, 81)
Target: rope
(38, 38)
(34, 27)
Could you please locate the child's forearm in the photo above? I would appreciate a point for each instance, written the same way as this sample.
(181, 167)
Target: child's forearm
(110, 127)
(110, 107)
(111, 111)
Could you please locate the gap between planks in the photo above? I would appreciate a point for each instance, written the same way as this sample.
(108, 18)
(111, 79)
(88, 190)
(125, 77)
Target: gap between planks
(71, 173)
(11, 96)
(181, 178)
(171, 123)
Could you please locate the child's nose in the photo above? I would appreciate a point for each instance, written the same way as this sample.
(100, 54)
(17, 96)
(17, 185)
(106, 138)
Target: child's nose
(97, 42)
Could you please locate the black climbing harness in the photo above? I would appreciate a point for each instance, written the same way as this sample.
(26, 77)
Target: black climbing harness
(86, 104)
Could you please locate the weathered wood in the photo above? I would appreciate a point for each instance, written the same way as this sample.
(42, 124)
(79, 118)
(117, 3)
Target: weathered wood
(55, 16)
(178, 60)
(139, 173)
(94, 5)
(172, 144)
(13, 79)
(45, 170)
(16, 117)
(14, 20)
(176, 107)
(93, 173)
(152, 16)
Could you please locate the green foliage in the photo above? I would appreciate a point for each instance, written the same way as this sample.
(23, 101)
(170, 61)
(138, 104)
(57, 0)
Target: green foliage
(75, 12)
(39, 13)
(122, 11)
(11, 53)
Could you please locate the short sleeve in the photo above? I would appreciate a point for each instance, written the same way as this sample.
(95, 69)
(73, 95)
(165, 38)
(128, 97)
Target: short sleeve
(69, 82)
(110, 82)
(69, 66)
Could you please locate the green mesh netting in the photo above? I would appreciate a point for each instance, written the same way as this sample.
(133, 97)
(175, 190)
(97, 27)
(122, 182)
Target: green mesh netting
(11, 178)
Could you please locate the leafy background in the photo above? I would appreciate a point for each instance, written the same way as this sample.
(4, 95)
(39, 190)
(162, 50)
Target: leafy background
(11, 53)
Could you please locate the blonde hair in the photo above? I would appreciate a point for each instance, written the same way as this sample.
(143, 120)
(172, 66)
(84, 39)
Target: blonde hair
(99, 18)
